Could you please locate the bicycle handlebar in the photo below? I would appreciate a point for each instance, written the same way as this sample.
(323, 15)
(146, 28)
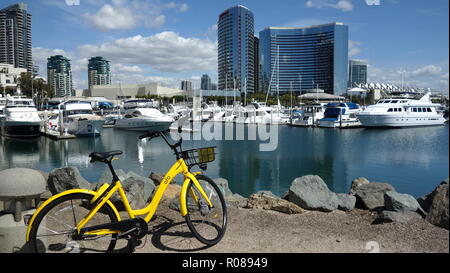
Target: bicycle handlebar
(174, 146)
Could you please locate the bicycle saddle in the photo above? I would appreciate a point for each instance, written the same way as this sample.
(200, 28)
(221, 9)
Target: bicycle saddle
(103, 156)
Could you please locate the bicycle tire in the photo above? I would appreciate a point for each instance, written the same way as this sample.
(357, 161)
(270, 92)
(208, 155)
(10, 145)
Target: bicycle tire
(57, 214)
(203, 230)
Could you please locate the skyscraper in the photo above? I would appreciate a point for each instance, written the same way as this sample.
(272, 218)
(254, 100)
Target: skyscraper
(186, 85)
(206, 82)
(235, 33)
(99, 71)
(59, 75)
(357, 73)
(15, 37)
(304, 58)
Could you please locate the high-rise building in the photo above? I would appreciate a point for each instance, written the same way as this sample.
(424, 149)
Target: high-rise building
(304, 58)
(99, 71)
(357, 73)
(256, 64)
(186, 85)
(206, 82)
(15, 37)
(59, 75)
(235, 35)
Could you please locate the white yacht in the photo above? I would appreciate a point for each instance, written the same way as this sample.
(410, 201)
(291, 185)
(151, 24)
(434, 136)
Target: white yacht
(311, 113)
(2, 106)
(21, 118)
(340, 115)
(401, 112)
(260, 113)
(79, 119)
(139, 103)
(144, 119)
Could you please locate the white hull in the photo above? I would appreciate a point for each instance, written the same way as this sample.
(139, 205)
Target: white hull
(337, 124)
(85, 127)
(142, 125)
(400, 120)
(21, 129)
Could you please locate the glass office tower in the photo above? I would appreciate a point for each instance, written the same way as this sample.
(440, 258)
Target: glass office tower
(99, 72)
(15, 36)
(59, 75)
(298, 59)
(357, 73)
(235, 34)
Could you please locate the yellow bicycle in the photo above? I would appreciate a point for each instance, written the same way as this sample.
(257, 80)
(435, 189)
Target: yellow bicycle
(81, 220)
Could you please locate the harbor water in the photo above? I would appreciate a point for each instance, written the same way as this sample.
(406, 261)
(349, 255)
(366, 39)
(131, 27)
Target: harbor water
(413, 160)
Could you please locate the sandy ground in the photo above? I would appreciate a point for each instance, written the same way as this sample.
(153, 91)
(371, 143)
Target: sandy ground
(253, 231)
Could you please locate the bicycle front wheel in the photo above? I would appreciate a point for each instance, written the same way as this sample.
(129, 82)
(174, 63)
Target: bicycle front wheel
(53, 229)
(208, 224)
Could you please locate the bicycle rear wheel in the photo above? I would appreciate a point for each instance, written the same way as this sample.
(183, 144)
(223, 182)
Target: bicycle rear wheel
(208, 224)
(54, 227)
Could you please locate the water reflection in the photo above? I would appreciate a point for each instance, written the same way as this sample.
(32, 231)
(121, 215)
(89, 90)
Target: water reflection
(413, 160)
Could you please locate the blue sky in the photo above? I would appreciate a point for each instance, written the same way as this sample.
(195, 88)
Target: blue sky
(166, 41)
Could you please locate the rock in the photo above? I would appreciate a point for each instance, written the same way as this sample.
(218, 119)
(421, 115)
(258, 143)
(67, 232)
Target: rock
(106, 176)
(399, 202)
(438, 213)
(138, 190)
(346, 201)
(371, 196)
(310, 192)
(236, 200)
(158, 177)
(266, 202)
(396, 217)
(148, 185)
(67, 178)
(222, 183)
(425, 201)
(268, 193)
(358, 182)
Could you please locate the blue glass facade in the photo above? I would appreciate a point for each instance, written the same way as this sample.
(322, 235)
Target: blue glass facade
(235, 37)
(357, 72)
(304, 58)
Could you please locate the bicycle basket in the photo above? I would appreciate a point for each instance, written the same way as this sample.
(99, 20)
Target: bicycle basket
(199, 156)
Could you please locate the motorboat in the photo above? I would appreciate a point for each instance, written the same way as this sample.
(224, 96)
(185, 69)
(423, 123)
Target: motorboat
(139, 103)
(144, 120)
(340, 115)
(259, 113)
(311, 113)
(79, 119)
(402, 112)
(21, 118)
(2, 106)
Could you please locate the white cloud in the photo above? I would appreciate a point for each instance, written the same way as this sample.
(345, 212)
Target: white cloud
(183, 7)
(343, 5)
(111, 17)
(353, 48)
(165, 52)
(127, 14)
(426, 76)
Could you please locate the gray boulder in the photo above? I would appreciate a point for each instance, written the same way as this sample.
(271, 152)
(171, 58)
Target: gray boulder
(346, 201)
(356, 183)
(222, 183)
(311, 192)
(396, 217)
(67, 178)
(425, 201)
(236, 200)
(106, 176)
(438, 213)
(267, 202)
(371, 196)
(399, 202)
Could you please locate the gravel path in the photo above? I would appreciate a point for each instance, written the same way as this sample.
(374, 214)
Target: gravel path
(252, 230)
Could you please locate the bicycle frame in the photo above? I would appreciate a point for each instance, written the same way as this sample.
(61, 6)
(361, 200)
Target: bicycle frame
(179, 167)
